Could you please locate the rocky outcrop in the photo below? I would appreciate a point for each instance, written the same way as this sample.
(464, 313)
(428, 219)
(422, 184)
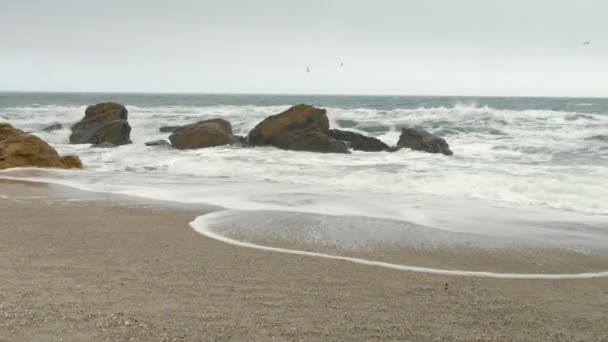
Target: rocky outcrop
(208, 133)
(358, 141)
(20, 149)
(103, 123)
(421, 140)
(314, 141)
(300, 128)
(53, 127)
(158, 143)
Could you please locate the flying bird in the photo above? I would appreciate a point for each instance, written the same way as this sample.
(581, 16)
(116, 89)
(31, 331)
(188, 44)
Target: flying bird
(587, 43)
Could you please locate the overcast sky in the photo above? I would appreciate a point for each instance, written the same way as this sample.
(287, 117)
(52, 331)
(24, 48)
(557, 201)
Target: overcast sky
(432, 47)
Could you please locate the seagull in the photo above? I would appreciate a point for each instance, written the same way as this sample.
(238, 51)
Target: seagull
(307, 69)
(587, 43)
(341, 64)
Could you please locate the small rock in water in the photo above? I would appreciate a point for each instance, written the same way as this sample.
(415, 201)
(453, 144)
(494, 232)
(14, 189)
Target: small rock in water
(158, 143)
(53, 127)
(168, 129)
(394, 148)
(103, 145)
(421, 140)
(358, 141)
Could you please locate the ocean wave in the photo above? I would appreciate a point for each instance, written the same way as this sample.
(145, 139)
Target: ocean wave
(523, 157)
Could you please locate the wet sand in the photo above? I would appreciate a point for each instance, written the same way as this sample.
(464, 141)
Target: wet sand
(76, 266)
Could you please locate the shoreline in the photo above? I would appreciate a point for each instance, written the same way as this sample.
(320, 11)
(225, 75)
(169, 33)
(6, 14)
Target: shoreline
(519, 262)
(106, 267)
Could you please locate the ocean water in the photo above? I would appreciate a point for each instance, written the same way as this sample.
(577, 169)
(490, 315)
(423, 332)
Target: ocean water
(530, 171)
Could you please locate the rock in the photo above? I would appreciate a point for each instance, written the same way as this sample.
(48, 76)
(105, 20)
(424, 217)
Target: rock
(208, 133)
(20, 149)
(168, 129)
(394, 148)
(314, 141)
(242, 140)
(103, 145)
(358, 141)
(300, 128)
(53, 127)
(223, 123)
(421, 140)
(158, 143)
(103, 123)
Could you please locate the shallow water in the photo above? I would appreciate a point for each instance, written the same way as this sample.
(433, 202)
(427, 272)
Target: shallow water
(523, 169)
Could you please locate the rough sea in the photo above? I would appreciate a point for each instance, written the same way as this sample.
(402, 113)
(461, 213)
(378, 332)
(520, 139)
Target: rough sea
(525, 171)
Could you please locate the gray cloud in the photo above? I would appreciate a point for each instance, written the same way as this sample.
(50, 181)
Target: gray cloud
(473, 47)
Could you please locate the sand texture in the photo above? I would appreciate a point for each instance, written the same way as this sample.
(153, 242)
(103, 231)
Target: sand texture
(103, 268)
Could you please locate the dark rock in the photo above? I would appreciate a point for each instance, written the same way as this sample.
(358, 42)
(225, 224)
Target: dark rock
(53, 127)
(20, 149)
(225, 125)
(208, 133)
(168, 129)
(421, 140)
(314, 141)
(242, 140)
(158, 143)
(394, 148)
(103, 145)
(103, 123)
(358, 141)
(300, 128)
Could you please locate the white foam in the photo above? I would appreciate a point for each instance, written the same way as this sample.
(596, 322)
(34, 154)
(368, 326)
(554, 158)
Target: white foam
(498, 221)
(202, 225)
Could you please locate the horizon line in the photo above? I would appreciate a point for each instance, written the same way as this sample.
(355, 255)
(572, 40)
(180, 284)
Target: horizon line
(286, 94)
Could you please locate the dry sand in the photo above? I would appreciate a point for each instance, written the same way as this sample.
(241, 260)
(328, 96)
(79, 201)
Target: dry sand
(107, 268)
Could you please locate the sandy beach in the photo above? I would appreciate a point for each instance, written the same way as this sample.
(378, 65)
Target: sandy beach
(77, 266)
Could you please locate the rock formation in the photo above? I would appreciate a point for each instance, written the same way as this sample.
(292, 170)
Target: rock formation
(103, 123)
(300, 128)
(421, 140)
(20, 149)
(208, 133)
(358, 141)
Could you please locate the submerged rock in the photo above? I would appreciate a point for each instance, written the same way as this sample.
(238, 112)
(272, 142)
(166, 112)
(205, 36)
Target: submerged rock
(242, 140)
(421, 140)
(168, 129)
(158, 143)
(358, 141)
(300, 128)
(53, 127)
(103, 145)
(103, 123)
(394, 148)
(208, 133)
(20, 149)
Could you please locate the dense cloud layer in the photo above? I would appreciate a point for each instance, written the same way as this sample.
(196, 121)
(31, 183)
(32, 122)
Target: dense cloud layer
(473, 47)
